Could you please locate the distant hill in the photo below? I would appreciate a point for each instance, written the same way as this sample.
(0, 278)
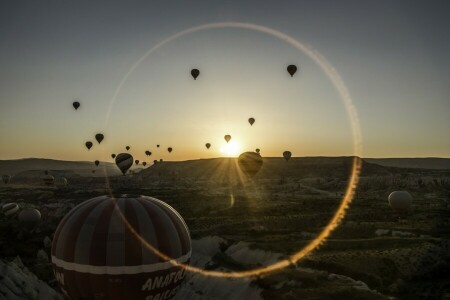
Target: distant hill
(417, 163)
(28, 167)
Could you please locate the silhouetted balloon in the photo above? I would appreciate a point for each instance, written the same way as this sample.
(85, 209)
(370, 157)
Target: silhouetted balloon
(124, 161)
(250, 163)
(88, 145)
(208, 145)
(257, 150)
(6, 178)
(169, 149)
(10, 209)
(97, 162)
(99, 137)
(287, 155)
(400, 201)
(195, 73)
(251, 121)
(227, 138)
(48, 179)
(136, 161)
(60, 182)
(292, 69)
(76, 104)
(144, 163)
(29, 218)
(148, 153)
(155, 161)
(127, 147)
(113, 155)
(157, 146)
(160, 160)
(93, 247)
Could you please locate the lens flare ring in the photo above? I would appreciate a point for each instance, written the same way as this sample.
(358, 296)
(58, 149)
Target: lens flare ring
(344, 94)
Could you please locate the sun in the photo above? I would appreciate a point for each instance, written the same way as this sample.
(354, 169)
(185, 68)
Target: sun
(230, 149)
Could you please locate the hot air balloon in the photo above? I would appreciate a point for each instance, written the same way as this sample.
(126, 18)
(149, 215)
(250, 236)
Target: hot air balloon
(97, 163)
(29, 218)
(157, 146)
(287, 155)
(195, 73)
(127, 147)
(292, 69)
(257, 150)
(6, 178)
(251, 121)
(169, 149)
(124, 161)
(95, 255)
(227, 138)
(48, 179)
(113, 155)
(99, 137)
(60, 182)
(400, 201)
(148, 153)
(136, 162)
(155, 162)
(160, 160)
(88, 145)
(76, 104)
(250, 163)
(10, 209)
(208, 145)
(144, 163)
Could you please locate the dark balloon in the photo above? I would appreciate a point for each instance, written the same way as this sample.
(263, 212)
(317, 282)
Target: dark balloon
(127, 147)
(292, 69)
(250, 163)
(227, 138)
(136, 161)
(251, 121)
(160, 160)
(157, 146)
(29, 218)
(144, 163)
(287, 155)
(257, 150)
(155, 161)
(169, 149)
(208, 145)
(113, 156)
(88, 145)
(148, 153)
(97, 162)
(195, 73)
(76, 104)
(99, 137)
(124, 161)
(108, 257)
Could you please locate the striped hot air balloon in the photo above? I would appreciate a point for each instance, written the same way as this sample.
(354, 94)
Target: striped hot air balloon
(99, 249)
(124, 161)
(10, 209)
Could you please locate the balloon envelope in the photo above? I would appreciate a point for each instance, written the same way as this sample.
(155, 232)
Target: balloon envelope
(208, 145)
(93, 248)
(144, 163)
(287, 155)
(113, 155)
(76, 104)
(195, 73)
(99, 137)
(250, 163)
(29, 218)
(227, 137)
(124, 161)
(251, 121)
(400, 201)
(127, 147)
(10, 209)
(148, 153)
(292, 69)
(136, 161)
(257, 150)
(97, 162)
(88, 145)
(169, 149)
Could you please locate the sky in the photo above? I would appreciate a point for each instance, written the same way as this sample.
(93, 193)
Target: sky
(392, 56)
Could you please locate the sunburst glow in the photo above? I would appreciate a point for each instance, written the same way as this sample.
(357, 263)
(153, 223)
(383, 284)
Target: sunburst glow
(230, 149)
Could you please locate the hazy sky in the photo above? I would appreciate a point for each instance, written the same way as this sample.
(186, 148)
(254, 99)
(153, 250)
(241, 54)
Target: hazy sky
(392, 55)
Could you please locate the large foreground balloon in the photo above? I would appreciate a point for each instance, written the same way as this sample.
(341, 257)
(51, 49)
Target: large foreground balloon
(101, 250)
(76, 104)
(29, 218)
(124, 161)
(99, 137)
(287, 155)
(250, 163)
(208, 145)
(292, 69)
(227, 137)
(88, 145)
(400, 201)
(6, 178)
(10, 209)
(195, 73)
